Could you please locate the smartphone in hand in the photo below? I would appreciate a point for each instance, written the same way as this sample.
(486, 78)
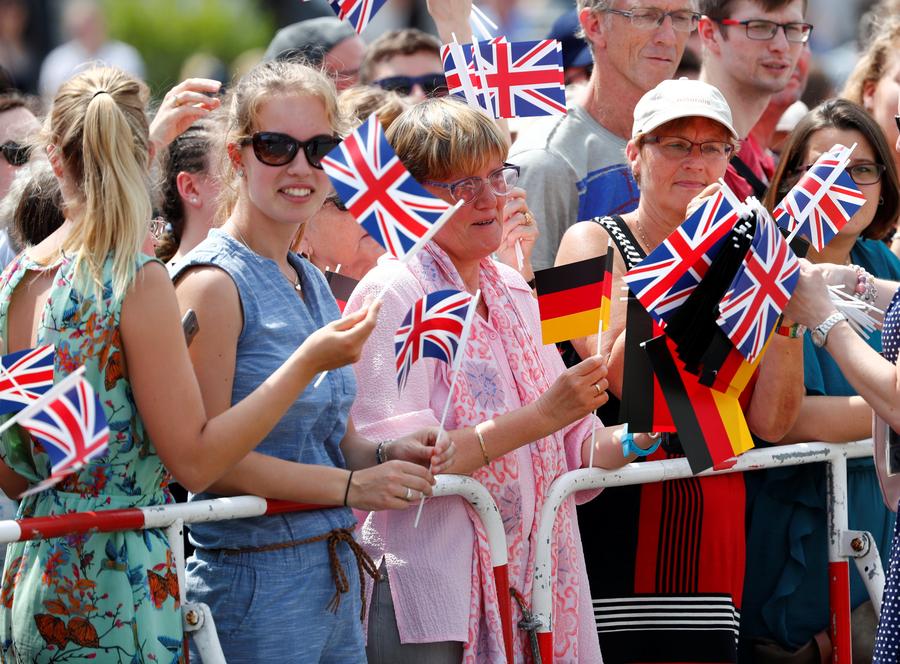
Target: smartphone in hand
(190, 326)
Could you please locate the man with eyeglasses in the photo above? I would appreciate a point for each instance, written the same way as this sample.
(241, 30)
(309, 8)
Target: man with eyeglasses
(750, 51)
(407, 62)
(573, 166)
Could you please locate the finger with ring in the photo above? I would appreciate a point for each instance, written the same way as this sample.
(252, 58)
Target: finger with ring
(599, 391)
(529, 218)
(409, 494)
(176, 101)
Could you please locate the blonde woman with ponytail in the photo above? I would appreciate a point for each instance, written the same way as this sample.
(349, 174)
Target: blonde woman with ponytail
(89, 291)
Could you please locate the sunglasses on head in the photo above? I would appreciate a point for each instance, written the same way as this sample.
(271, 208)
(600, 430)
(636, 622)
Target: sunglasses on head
(15, 154)
(434, 85)
(275, 149)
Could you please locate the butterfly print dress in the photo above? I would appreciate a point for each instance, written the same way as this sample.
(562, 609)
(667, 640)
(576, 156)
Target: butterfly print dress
(105, 597)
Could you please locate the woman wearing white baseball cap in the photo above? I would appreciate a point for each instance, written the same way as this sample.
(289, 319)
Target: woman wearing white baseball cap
(682, 542)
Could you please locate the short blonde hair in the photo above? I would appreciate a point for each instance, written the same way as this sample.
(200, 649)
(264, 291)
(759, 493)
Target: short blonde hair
(273, 78)
(358, 102)
(443, 138)
(98, 123)
(871, 66)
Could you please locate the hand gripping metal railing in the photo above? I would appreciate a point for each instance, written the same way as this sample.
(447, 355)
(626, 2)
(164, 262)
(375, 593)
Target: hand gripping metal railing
(196, 617)
(842, 543)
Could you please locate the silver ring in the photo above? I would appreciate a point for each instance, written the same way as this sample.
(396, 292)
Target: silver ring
(599, 391)
(408, 494)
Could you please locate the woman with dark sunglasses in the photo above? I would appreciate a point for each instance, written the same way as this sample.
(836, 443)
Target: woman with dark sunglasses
(285, 587)
(786, 595)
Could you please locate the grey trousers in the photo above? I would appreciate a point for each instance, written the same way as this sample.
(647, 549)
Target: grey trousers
(384, 645)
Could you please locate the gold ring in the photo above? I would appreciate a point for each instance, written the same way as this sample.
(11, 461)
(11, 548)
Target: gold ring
(176, 100)
(529, 218)
(599, 391)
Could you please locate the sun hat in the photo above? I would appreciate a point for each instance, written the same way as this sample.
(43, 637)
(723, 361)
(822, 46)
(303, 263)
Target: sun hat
(681, 98)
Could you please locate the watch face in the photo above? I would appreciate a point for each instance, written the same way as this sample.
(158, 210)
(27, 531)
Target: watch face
(818, 338)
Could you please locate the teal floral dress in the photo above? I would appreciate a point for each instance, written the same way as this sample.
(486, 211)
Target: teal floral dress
(104, 597)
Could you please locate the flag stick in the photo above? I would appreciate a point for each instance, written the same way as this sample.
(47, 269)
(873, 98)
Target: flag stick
(459, 59)
(520, 256)
(455, 370)
(65, 384)
(484, 17)
(425, 239)
(606, 275)
(338, 268)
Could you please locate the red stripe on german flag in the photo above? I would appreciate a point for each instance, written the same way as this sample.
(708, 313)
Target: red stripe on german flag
(570, 299)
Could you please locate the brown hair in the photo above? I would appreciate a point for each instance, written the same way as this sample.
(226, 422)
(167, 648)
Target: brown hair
(408, 41)
(358, 102)
(441, 138)
(871, 66)
(845, 115)
(719, 9)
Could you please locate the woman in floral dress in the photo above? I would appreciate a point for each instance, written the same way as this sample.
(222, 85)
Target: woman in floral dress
(89, 291)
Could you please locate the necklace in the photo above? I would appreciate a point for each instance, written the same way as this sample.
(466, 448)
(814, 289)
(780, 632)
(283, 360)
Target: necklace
(296, 284)
(640, 230)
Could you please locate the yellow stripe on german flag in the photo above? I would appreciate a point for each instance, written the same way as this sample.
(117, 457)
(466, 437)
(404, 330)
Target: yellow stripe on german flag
(570, 299)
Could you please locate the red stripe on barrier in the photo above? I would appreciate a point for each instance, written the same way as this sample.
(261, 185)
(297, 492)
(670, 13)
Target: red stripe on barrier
(839, 596)
(504, 602)
(79, 522)
(545, 645)
(283, 506)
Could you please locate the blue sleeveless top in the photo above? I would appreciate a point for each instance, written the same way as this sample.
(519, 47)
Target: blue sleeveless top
(276, 322)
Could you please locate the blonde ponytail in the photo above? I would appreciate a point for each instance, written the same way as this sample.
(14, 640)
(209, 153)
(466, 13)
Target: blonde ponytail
(99, 123)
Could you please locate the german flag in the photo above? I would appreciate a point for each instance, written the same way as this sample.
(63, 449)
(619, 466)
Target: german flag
(606, 303)
(341, 287)
(570, 299)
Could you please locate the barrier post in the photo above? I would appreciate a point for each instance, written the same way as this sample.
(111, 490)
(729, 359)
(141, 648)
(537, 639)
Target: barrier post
(838, 566)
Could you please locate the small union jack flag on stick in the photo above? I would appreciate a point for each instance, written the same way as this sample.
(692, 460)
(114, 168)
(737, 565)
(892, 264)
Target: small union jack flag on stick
(465, 78)
(69, 422)
(823, 201)
(760, 290)
(437, 326)
(671, 272)
(381, 194)
(24, 377)
(357, 12)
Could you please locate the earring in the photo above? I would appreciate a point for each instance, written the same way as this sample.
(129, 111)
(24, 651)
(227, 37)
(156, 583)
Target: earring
(195, 200)
(240, 172)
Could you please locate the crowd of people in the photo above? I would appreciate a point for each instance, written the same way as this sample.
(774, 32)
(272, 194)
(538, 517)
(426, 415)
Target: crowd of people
(117, 218)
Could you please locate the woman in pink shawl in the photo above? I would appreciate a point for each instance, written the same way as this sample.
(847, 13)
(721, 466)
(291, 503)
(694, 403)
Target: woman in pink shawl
(518, 418)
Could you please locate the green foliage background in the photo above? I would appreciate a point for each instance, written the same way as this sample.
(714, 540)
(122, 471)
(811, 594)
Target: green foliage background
(166, 32)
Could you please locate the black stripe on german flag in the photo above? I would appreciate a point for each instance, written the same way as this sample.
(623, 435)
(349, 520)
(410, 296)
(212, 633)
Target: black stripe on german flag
(341, 287)
(570, 298)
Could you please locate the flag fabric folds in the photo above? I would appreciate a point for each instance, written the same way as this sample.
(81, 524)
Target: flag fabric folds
(823, 201)
(341, 287)
(433, 327)
(381, 194)
(670, 273)
(24, 377)
(760, 291)
(570, 299)
(508, 79)
(356, 12)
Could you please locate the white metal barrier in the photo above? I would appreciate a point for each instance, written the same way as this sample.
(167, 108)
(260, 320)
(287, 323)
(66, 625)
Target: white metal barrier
(842, 543)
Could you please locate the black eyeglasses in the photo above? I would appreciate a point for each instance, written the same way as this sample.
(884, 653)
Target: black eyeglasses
(676, 147)
(433, 85)
(761, 30)
(15, 154)
(336, 201)
(275, 149)
(863, 172)
(649, 18)
(467, 190)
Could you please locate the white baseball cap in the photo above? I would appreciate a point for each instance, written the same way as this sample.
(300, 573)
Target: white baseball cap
(681, 98)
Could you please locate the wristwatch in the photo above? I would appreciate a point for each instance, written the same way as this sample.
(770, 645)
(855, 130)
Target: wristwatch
(819, 333)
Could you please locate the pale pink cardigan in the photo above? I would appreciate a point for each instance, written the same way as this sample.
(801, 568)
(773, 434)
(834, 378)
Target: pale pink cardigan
(431, 569)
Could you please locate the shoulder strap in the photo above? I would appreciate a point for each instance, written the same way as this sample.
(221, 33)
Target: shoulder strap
(624, 239)
(759, 187)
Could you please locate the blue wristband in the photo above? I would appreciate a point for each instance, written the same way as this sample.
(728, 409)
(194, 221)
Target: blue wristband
(628, 446)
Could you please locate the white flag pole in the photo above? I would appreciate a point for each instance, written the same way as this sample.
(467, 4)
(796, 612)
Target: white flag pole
(457, 363)
(599, 346)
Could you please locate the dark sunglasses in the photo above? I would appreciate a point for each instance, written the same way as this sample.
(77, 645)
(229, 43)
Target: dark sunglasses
(434, 85)
(15, 154)
(275, 149)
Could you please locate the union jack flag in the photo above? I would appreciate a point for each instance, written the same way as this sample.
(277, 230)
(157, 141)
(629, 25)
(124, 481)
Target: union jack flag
(760, 290)
(523, 79)
(670, 273)
(434, 327)
(357, 12)
(24, 377)
(70, 425)
(464, 78)
(381, 194)
(823, 201)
